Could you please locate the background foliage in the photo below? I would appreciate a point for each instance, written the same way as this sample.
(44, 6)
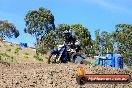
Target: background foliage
(7, 30)
(40, 23)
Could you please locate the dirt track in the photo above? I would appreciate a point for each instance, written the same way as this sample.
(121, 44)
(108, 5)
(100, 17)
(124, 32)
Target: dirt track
(51, 76)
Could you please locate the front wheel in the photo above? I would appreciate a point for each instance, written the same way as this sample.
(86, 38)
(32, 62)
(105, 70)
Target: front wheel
(53, 58)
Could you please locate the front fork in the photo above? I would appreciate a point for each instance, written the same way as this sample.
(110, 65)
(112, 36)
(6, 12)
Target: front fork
(57, 58)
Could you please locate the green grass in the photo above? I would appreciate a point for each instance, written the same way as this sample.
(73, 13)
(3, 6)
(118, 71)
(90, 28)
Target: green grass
(4, 57)
(38, 58)
(26, 55)
(18, 49)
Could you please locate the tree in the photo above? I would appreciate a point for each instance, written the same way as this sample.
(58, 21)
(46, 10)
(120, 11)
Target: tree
(61, 28)
(53, 38)
(103, 41)
(7, 30)
(123, 39)
(106, 42)
(97, 42)
(83, 35)
(39, 22)
(48, 41)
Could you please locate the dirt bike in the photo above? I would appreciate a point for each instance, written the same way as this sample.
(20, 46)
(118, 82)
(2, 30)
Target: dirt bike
(62, 55)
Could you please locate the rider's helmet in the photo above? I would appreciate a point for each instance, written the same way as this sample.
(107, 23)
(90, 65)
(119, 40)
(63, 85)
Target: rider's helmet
(68, 36)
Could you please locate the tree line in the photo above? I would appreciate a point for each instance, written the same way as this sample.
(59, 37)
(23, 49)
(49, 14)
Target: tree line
(40, 24)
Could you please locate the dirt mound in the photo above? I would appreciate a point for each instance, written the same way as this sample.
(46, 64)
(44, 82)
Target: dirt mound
(13, 53)
(52, 76)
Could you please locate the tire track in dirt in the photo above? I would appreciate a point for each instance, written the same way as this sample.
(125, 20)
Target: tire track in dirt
(52, 76)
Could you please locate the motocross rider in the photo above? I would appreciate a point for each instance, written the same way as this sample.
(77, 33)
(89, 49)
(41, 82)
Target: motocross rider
(73, 43)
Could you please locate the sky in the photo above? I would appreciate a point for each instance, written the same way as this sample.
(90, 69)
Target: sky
(93, 14)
